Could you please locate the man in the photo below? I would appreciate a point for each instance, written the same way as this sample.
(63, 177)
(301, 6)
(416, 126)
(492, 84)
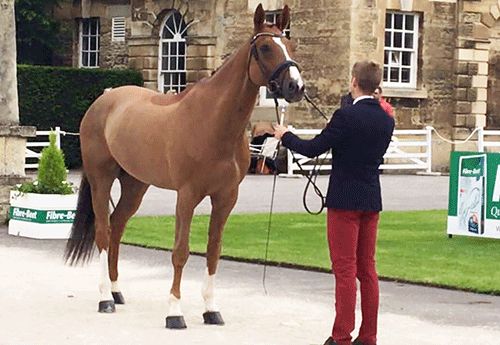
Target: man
(359, 135)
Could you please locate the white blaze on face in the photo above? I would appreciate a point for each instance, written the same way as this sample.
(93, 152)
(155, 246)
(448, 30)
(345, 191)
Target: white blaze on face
(293, 70)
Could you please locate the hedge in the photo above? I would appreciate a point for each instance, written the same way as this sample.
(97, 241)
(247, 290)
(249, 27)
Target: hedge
(55, 96)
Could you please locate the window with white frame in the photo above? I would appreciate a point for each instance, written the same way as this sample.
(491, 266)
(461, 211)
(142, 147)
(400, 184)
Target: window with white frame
(89, 43)
(265, 98)
(172, 59)
(401, 50)
(118, 29)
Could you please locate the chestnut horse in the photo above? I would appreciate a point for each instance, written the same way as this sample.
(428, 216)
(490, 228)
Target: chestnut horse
(193, 142)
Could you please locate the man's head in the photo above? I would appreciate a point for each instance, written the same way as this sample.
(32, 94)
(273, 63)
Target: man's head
(366, 77)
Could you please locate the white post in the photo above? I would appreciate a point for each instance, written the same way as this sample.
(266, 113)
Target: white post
(480, 139)
(58, 137)
(429, 148)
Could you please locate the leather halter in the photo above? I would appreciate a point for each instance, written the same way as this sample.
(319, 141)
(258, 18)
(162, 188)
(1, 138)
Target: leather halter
(271, 81)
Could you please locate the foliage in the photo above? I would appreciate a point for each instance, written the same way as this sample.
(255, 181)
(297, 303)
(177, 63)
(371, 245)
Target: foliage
(52, 173)
(37, 32)
(412, 246)
(55, 96)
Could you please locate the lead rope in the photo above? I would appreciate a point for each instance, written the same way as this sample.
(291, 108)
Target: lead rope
(310, 181)
(280, 121)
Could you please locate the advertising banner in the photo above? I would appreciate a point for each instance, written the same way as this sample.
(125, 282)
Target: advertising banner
(474, 198)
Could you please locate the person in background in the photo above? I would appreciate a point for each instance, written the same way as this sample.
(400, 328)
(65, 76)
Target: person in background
(383, 103)
(360, 135)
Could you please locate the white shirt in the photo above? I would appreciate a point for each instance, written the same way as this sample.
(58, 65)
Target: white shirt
(360, 98)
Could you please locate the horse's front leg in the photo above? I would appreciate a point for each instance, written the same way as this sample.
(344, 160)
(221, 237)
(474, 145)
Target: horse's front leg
(186, 202)
(222, 204)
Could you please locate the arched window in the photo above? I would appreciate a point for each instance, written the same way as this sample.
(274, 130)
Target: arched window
(172, 61)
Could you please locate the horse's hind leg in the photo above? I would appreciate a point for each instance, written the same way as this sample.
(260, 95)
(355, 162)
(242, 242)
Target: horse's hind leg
(132, 192)
(222, 204)
(101, 179)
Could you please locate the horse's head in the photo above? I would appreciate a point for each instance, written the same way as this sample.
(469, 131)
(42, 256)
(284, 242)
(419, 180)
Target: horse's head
(271, 62)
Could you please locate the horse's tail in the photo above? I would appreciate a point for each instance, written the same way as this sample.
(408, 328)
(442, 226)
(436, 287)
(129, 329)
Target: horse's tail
(80, 245)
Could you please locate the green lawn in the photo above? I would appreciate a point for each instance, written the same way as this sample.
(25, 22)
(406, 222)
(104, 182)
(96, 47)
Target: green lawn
(412, 246)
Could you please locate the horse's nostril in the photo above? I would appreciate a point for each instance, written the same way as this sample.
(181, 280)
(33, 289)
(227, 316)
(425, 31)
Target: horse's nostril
(292, 87)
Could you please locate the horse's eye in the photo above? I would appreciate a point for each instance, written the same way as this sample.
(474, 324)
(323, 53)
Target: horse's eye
(265, 48)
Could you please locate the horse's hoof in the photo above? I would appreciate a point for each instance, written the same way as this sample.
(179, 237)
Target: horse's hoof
(213, 318)
(107, 307)
(118, 297)
(176, 322)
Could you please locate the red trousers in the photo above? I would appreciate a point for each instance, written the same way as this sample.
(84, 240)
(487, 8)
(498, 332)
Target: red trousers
(352, 236)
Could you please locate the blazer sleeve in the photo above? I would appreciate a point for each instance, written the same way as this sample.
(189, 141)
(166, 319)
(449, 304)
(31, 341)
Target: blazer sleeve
(335, 131)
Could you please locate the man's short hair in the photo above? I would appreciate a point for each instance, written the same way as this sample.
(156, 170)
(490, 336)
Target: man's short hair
(368, 75)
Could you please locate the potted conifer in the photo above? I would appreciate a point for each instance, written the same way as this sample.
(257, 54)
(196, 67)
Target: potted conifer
(44, 208)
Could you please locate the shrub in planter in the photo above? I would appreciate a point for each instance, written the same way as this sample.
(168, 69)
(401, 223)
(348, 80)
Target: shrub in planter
(44, 208)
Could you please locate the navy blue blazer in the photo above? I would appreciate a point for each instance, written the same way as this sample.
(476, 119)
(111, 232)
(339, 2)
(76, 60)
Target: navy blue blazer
(359, 136)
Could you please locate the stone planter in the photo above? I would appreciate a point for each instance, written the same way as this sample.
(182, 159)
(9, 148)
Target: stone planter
(42, 216)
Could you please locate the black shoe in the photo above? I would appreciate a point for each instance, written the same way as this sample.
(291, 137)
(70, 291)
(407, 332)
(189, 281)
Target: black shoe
(330, 341)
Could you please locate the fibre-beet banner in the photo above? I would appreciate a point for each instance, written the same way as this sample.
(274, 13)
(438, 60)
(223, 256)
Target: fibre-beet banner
(474, 198)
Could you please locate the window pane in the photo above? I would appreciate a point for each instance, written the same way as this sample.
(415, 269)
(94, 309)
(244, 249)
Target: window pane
(183, 79)
(85, 27)
(167, 34)
(85, 59)
(409, 22)
(175, 78)
(405, 75)
(409, 41)
(398, 21)
(388, 20)
(386, 57)
(93, 61)
(385, 73)
(406, 61)
(93, 27)
(166, 80)
(164, 63)
(173, 63)
(395, 58)
(388, 39)
(164, 49)
(182, 48)
(398, 40)
(394, 75)
(85, 43)
(173, 48)
(182, 64)
(93, 43)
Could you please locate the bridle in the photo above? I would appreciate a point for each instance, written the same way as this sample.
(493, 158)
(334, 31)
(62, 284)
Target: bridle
(272, 84)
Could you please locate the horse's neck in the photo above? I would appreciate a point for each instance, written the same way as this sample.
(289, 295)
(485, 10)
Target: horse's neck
(235, 94)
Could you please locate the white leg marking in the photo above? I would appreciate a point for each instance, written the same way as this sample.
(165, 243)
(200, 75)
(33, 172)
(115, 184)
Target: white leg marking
(207, 291)
(105, 282)
(294, 71)
(174, 306)
(114, 286)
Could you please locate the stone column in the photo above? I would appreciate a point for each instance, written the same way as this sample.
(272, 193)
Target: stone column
(12, 135)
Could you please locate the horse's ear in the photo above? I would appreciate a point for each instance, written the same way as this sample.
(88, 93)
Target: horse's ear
(283, 19)
(259, 18)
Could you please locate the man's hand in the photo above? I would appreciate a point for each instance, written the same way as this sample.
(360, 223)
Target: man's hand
(279, 130)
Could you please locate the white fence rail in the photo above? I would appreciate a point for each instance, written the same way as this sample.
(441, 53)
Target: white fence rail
(410, 149)
(34, 148)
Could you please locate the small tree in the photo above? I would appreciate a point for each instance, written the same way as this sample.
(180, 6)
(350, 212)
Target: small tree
(52, 174)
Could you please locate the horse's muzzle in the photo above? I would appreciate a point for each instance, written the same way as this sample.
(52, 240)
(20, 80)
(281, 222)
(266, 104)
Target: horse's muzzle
(292, 91)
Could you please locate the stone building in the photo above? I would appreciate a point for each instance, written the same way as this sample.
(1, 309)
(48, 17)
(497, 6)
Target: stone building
(441, 57)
